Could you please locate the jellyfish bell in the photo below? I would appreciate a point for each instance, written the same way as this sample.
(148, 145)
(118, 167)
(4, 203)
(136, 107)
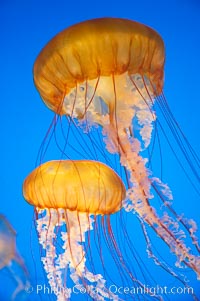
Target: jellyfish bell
(67, 184)
(97, 48)
(67, 196)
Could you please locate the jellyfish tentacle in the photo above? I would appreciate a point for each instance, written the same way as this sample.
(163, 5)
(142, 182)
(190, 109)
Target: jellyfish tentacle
(112, 241)
(165, 266)
(139, 196)
(126, 105)
(46, 234)
(189, 225)
(73, 255)
(77, 261)
(140, 192)
(21, 286)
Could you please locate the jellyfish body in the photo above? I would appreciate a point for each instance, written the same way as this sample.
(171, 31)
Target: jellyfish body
(68, 196)
(8, 242)
(108, 72)
(9, 257)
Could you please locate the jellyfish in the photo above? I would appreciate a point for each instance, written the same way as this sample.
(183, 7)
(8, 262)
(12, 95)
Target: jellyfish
(68, 193)
(11, 260)
(68, 197)
(71, 200)
(108, 73)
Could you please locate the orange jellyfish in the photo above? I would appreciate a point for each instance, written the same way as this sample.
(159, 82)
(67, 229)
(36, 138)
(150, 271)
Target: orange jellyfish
(68, 196)
(108, 73)
(11, 260)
